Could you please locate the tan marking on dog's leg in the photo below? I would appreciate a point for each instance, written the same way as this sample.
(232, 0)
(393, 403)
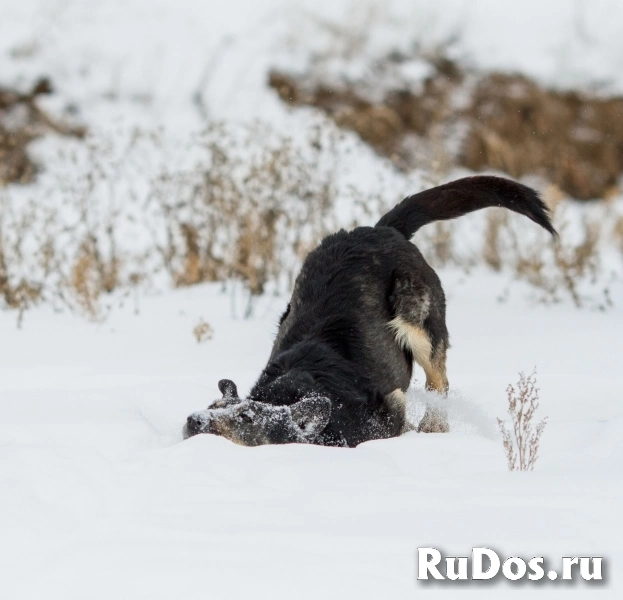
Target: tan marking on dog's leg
(396, 402)
(416, 340)
(436, 378)
(411, 337)
(398, 399)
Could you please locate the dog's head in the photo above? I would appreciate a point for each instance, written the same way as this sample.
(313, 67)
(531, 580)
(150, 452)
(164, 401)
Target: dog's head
(253, 423)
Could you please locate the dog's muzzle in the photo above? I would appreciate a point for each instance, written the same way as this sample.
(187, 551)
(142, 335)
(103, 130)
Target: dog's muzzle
(197, 423)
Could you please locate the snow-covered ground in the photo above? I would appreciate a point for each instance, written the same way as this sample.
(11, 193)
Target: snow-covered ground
(99, 496)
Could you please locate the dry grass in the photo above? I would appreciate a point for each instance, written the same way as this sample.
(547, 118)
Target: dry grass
(573, 139)
(17, 290)
(248, 212)
(386, 125)
(118, 215)
(618, 233)
(482, 121)
(21, 121)
(560, 268)
(250, 208)
(571, 267)
(92, 276)
(203, 331)
(521, 443)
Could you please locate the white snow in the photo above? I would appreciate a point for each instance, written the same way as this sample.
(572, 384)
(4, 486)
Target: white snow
(99, 496)
(102, 499)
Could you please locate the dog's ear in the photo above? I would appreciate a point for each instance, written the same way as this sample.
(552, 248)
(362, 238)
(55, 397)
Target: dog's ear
(311, 415)
(228, 388)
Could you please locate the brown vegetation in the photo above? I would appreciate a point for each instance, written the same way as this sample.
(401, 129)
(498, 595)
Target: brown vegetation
(573, 139)
(21, 121)
(203, 331)
(249, 211)
(384, 125)
(508, 122)
(521, 443)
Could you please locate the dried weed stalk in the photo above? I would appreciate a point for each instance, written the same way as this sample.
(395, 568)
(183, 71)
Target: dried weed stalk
(521, 443)
(567, 266)
(203, 331)
(250, 212)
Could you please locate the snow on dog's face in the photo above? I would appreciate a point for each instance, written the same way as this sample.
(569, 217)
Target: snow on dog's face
(252, 423)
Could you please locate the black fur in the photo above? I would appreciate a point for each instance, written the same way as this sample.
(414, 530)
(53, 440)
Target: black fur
(463, 196)
(334, 340)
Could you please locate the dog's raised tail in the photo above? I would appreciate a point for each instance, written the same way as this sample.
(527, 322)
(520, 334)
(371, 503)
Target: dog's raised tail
(463, 196)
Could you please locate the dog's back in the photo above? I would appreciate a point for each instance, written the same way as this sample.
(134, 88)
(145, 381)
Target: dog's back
(336, 326)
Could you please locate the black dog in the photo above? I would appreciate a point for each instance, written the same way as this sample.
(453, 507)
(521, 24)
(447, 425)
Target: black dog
(365, 306)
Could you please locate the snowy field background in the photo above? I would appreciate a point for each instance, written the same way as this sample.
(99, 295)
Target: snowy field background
(100, 498)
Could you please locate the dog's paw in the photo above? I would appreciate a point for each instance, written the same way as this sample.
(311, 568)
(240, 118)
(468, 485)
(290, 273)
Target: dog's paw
(407, 427)
(434, 421)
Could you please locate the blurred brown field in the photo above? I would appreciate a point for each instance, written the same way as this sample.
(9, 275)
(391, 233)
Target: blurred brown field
(257, 202)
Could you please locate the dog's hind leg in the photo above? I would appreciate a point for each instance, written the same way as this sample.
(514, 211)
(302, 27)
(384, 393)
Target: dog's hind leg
(420, 328)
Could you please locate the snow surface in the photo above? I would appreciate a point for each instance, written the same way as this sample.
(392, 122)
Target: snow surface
(100, 497)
